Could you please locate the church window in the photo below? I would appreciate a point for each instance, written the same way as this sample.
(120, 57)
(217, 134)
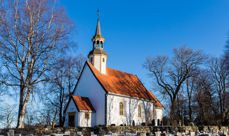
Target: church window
(121, 108)
(139, 110)
(87, 116)
(103, 59)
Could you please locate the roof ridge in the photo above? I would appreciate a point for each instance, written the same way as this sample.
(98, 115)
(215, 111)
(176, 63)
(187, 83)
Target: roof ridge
(122, 71)
(115, 70)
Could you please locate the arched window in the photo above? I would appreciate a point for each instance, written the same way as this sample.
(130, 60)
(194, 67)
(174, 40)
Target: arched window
(139, 111)
(103, 59)
(121, 108)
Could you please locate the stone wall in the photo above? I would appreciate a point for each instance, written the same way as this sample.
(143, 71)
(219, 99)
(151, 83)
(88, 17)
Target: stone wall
(101, 130)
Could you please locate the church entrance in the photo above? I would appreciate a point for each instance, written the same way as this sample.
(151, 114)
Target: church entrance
(71, 119)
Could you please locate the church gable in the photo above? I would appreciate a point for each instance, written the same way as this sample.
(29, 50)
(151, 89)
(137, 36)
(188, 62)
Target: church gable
(88, 86)
(89, 80)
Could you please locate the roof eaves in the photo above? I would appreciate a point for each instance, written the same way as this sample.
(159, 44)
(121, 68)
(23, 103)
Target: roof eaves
(87, 111)
(127, 96)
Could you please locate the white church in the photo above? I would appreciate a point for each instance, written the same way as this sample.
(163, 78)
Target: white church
(105, 96)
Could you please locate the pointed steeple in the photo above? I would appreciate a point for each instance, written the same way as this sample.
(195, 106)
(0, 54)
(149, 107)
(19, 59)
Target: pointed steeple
(98, 39)
(98, 29)
(97, 56)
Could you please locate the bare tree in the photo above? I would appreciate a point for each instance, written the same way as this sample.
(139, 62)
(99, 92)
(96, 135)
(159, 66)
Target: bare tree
(65, 74)
(171, 74)
(46, 115)
(190, 83)
(219, 77)
(226, 56)
(181, 111)
(33, 34)
(7, 115)
(205, 108)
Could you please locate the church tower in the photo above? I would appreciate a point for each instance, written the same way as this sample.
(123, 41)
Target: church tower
(97, 56)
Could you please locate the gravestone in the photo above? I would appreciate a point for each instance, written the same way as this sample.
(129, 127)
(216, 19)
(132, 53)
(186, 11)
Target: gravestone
(179, 134)
(67, 133)
(79, 133)
(186, 132)
(158, 133)
(192, 134)
(169, 134)
(114, 134)
(10, 133)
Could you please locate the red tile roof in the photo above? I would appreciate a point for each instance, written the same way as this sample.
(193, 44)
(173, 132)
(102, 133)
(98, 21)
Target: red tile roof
(157, 103)
(121, 83)
(83, 103)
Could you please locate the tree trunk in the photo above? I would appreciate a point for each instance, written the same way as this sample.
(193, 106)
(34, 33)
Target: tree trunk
(8, 120)
(22, 107)
(172, 111)
(224, 105)
(189, 92)
(190, 111)
(60, 115)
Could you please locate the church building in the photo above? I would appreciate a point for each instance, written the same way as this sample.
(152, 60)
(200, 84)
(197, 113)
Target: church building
(105, 96)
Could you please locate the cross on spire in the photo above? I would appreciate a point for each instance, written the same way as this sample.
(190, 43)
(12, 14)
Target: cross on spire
(98, 39)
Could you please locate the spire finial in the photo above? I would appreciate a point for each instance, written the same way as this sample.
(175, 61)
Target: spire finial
(98, 38)
(98, 13)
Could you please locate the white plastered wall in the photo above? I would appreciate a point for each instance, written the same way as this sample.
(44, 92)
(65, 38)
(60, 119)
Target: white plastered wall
(97, 61)
(88, 86)
(99, 64)
(159, 115)
(84, 122)
(71, 108)
(103, 66)
(130, 110)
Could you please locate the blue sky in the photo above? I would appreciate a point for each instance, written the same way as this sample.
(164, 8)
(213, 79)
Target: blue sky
(136, 29)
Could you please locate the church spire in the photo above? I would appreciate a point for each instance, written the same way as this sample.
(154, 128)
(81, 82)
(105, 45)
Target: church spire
(98, 29)
(98, 39)
(97, 56)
